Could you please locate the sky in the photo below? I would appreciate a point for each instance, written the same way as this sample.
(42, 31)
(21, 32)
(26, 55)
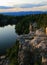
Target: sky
(16, 2)
(33, 5)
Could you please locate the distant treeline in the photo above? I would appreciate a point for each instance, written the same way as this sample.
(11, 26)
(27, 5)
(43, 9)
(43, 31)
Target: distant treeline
(41, 19)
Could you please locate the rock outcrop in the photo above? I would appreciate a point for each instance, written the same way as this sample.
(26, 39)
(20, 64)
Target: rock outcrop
(32, 47)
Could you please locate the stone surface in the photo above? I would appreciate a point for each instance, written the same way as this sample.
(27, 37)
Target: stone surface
(28, 46)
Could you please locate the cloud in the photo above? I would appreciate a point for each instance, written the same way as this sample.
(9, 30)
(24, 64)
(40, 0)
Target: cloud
(24, 6)
(39, 8)
(28, 5)
(16, 2)
(5, 7)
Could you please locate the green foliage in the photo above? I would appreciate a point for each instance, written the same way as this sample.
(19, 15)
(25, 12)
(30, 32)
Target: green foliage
(41, 20)
(12, 54)
(22, 27)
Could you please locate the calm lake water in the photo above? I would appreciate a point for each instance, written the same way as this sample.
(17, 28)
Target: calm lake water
(7, 36)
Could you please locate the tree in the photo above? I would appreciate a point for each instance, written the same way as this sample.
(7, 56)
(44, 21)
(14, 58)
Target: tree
(12, 54)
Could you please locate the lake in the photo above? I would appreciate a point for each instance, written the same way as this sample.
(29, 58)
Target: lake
(8, 36)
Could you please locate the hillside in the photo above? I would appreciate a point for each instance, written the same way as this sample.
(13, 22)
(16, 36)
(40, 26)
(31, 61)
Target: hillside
(23, 13)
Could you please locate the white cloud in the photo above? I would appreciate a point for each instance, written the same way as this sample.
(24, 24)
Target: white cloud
(40, 8)
(17, 2)
(14, 2)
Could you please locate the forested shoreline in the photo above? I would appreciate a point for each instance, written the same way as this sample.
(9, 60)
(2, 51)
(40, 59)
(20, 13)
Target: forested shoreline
(39, 18)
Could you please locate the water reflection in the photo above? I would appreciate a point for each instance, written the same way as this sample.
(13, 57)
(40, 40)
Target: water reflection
(7, 36)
